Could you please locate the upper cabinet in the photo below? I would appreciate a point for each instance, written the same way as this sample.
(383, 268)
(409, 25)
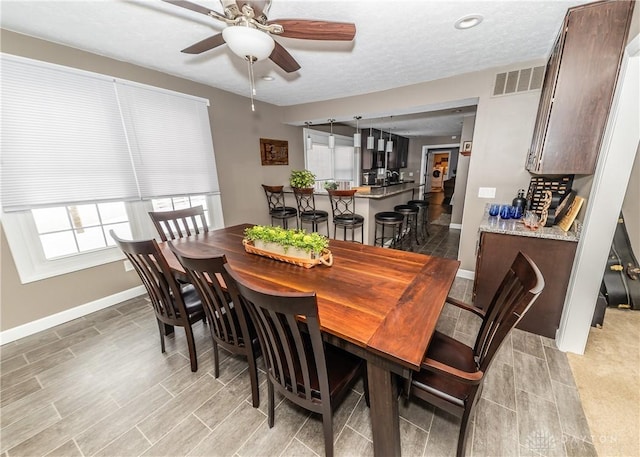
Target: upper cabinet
(397, 158)
(578, 88)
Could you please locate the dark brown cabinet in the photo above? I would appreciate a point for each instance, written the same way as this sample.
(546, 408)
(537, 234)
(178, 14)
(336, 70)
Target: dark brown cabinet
(578, 88)
(553, 257)
(397, 158)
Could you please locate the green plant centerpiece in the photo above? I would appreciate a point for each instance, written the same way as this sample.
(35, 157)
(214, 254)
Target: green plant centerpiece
(293, 244)
(302, 179)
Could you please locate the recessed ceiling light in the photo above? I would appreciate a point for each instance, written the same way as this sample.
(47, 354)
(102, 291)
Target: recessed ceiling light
(466, 22)
(268, 78)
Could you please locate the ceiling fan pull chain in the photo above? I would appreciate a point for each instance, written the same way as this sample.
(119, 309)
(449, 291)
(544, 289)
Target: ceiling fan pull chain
(252, 83)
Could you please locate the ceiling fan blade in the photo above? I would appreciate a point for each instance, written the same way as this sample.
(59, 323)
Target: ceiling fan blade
(189, 6)
(306, 29)
(205, 45)
(281, 57)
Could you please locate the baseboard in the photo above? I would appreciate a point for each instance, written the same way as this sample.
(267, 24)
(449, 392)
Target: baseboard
(466, 274)
(48, 322)
(455, 226)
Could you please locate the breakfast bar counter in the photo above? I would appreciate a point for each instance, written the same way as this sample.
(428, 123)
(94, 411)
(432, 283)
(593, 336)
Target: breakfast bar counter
(369, 201)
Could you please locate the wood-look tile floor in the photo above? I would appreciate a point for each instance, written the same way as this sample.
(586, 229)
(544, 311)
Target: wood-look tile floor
(99, 385)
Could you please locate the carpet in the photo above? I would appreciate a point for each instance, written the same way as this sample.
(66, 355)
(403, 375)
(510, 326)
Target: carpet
(607, 377)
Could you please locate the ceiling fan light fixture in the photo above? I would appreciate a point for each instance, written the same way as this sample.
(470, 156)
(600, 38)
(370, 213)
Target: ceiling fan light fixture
(248, 42)
(469, 21)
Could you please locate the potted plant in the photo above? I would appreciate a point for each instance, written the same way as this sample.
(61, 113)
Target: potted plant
(331, 185)
(289, 242)
(302, 179)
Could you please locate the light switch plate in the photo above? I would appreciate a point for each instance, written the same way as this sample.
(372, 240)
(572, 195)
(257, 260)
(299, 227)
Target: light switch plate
(487, 192)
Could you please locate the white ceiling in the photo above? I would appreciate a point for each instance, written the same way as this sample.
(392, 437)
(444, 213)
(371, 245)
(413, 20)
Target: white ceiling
(397, 43)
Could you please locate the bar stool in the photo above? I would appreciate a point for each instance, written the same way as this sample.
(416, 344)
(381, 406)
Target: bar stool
(277, 208)
(388, 219)
(343, 207)
(410, 214)
(307, 209)
(423, 216)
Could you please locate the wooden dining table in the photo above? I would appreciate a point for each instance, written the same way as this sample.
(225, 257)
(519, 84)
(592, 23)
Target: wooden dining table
(380, 304)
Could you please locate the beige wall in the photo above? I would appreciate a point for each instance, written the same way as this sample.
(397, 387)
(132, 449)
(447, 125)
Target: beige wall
(236, 132)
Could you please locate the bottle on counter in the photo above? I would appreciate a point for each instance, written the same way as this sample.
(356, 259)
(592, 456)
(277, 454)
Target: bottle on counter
(520, 202)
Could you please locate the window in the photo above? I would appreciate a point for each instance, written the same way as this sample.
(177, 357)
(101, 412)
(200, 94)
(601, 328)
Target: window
(69, 230)
(84, 153)
(341, 164)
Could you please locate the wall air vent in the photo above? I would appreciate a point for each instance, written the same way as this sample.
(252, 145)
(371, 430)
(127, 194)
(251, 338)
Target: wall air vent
(516, 81)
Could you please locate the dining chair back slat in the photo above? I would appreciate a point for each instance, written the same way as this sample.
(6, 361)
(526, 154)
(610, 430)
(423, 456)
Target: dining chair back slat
(179, 223)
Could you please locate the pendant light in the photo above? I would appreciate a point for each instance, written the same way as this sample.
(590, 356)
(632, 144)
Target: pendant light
(309, 141)
(390, 143)
(357, 137)
(332, 139)
(370, 139)
(381, 142)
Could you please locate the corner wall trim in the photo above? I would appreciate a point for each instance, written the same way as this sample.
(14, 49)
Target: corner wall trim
(48, 322)
(466, 274)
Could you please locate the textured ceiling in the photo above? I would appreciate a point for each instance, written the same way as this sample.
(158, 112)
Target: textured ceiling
(398, 42)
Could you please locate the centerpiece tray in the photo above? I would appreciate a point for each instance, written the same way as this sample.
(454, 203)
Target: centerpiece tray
(326, 258)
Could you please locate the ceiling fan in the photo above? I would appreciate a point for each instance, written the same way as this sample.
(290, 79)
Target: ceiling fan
(249, 31)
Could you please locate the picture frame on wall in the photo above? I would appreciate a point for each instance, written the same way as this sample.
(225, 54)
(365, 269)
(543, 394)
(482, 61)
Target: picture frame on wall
(274, 152)
(466, 148)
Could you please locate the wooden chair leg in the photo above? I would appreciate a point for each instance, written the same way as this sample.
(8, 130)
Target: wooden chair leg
(327, 425)
(271, 403)
(464, 429)
(253, 375)
(192, 348)
(216, 360)
(161, 330)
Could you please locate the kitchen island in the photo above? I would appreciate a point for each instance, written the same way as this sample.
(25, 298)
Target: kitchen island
(369, 201)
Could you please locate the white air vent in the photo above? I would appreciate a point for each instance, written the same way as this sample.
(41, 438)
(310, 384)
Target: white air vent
(518, 81)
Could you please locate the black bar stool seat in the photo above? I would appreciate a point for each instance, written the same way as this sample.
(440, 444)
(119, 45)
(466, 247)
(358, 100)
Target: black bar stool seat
(277, 208)
(307, 209)
(410, 213)
(423, 216)
(386, 219)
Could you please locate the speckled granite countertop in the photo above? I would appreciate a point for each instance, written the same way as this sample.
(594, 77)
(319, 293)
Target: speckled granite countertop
(376, 193)
(494, 224)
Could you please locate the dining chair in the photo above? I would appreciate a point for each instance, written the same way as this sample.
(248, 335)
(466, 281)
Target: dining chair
(179, 223)
(229, 325)
(173, 305)
(343, 207)
(452, 374)
(277, 208)
(314, 375)
(305, 199)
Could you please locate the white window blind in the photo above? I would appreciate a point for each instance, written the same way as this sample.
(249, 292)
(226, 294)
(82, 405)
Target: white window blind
(62, 138)
(344, 163)
(170, 141)
(70, 136)
(319, 161)
(341, 163)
